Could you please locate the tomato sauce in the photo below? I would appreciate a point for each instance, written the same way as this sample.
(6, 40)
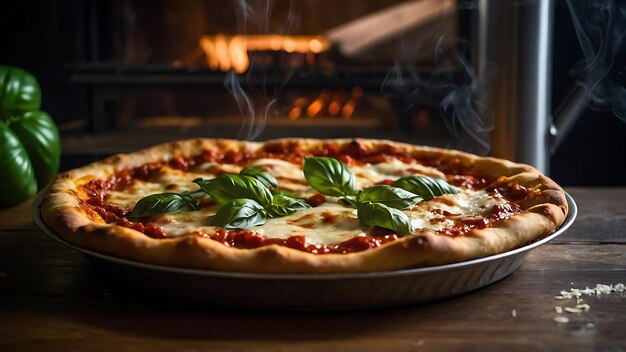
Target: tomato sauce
(351, 154)
(114, 214)
(247, 239)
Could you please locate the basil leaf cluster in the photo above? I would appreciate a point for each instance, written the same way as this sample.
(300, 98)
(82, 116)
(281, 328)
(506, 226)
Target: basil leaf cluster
(246, 200)
(376, 206)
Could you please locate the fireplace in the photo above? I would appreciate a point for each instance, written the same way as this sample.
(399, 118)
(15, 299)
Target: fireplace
(217, 69)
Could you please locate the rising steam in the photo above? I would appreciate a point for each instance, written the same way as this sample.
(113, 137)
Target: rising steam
(468, 120)
(255, 17)
(600, 27)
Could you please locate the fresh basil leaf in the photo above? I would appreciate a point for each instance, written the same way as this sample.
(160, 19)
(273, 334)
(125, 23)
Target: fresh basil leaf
(390, 196)
(226, 187)
(266, 179)
(349, 201)
(378, 214)
(426, 187)
(162, 203)
(203, 183)
(285, 193)
(329, 176)
(283, 205)
(239, 214)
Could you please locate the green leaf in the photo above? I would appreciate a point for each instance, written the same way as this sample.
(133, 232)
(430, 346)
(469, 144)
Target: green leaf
(378, 214)
(30, 147)
(19, 91)
(163, 203)
(227, 187)
(390, 196)
(239, 214)
(329, 176)
(426, 187)
(18, 182)
(40, 137)
(349, 201)
(283, 205)
(266, 179)
(285, 193)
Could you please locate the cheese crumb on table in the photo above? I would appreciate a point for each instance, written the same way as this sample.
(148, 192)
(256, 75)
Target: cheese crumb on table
(581, 307)
(561, 319)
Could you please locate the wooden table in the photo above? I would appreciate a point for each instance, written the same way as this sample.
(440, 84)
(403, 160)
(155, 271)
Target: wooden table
(50, 299)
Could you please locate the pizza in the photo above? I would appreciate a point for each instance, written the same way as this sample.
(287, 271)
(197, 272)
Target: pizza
(302, 206)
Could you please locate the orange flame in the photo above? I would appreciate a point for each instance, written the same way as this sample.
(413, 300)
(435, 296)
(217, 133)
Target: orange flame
(327, 103)
(318, 104)
(226, 52)
(355, 96)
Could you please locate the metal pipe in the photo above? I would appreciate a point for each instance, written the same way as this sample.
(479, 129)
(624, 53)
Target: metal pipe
(517, 37)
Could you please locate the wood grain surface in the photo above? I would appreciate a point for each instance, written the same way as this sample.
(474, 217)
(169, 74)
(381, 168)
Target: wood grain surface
(51, 299)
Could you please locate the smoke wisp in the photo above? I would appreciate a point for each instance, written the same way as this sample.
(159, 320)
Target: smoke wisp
(600, 26)
(468, 120)
(256, 101)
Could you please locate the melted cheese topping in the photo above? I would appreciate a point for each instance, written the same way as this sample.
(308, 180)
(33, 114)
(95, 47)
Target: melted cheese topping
(428, 214)
(332, 223)
(329, 223)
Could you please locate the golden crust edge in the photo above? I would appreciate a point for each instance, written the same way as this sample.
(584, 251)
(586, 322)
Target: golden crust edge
(62, 213)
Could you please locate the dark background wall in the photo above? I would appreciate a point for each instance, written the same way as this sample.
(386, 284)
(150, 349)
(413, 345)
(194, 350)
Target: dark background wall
(44, 37)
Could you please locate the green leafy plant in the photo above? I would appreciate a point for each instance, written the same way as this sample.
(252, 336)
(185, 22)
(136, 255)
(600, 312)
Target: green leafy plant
(30, 146)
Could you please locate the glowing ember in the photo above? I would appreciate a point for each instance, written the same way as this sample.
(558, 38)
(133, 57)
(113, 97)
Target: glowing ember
(327, 103)
(318, 104)
(225, 52)
(355, 96)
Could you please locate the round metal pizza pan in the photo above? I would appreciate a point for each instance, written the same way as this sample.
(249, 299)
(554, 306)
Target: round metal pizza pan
(310, 291)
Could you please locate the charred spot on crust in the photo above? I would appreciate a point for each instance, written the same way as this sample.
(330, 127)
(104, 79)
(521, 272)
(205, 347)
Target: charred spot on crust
(357, 149)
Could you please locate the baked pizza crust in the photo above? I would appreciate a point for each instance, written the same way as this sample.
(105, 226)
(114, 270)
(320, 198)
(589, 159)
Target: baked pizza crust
(80, 226)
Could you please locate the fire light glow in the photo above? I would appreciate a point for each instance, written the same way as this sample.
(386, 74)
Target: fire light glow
(225, 52)
(326, 104)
